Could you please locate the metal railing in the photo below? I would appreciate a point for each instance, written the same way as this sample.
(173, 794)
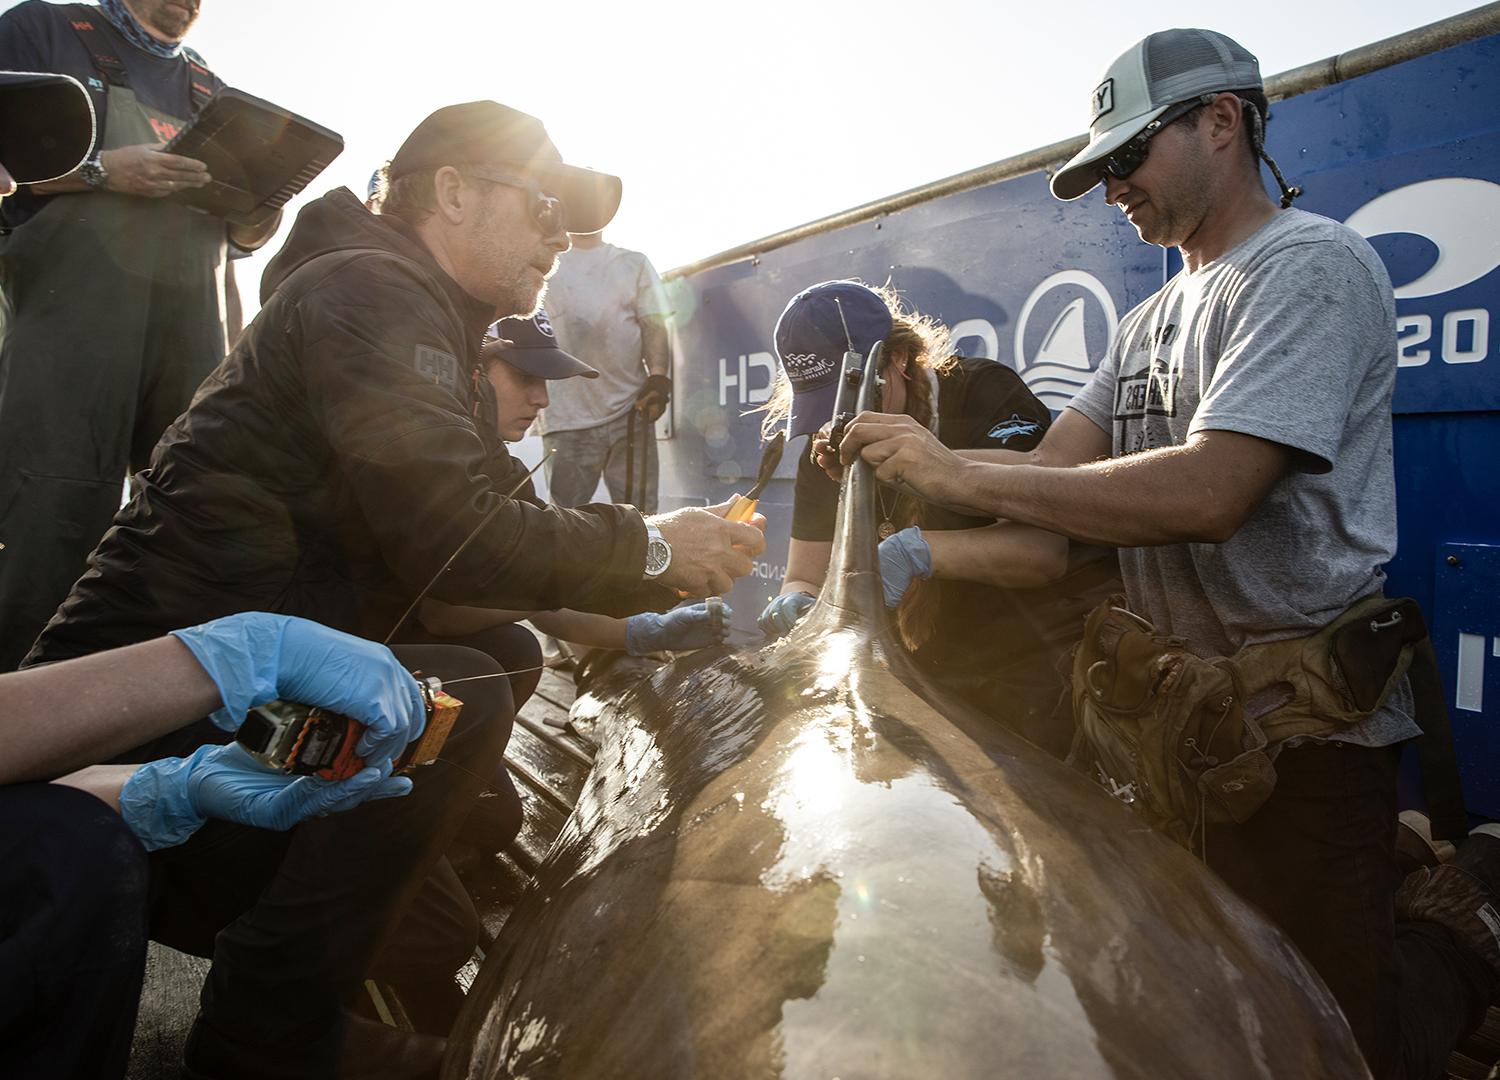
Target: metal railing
(1456, 30)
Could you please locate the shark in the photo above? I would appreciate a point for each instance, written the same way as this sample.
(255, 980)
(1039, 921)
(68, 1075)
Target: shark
(805, 861)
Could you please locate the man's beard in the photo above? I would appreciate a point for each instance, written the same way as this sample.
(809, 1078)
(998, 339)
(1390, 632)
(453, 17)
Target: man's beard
(522, 297)
(171, 21)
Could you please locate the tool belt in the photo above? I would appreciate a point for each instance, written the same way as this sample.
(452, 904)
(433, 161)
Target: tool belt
(1186, 741)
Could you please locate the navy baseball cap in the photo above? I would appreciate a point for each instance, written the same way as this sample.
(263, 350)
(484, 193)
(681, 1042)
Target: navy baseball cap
(811, 343)
(46, 125)
(530, 345)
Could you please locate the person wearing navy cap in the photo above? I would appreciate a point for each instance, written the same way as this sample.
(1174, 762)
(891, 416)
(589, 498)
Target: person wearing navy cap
(974, 600)
(519, 358)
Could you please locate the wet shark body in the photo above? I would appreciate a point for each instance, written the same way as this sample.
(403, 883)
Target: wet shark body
(805, 862)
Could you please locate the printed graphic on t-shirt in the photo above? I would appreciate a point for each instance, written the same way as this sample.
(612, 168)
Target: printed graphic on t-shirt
(1014, 427)
(1141, 397)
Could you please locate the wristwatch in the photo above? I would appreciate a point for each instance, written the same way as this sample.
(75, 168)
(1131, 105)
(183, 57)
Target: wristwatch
(92, 173)
(658, 553)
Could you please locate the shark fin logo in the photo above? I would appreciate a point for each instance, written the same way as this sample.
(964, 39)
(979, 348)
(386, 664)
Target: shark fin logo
(1060, 364)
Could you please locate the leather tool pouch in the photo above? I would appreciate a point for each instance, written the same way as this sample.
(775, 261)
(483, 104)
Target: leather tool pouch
(1168, 733)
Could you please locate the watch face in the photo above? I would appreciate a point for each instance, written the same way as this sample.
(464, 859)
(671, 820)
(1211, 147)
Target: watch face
(658, 555)
(92, 173)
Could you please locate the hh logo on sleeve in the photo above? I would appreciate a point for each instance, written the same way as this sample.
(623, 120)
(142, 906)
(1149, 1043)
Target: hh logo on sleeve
(440, 367)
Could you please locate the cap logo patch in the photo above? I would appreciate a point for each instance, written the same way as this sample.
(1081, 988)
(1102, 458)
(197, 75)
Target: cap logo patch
(805, 367)
(542, 323)
(1104, 98)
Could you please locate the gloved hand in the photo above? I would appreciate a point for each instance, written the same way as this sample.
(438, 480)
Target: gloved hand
(164, 802)
(255, 657)
(651, 402)
(678, 630)
(784, 612)
(904, 558)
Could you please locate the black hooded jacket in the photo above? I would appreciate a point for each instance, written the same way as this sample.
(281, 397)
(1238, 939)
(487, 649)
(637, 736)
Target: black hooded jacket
(332, 463)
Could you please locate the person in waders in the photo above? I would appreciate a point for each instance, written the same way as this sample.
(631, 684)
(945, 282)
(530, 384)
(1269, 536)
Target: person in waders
(115, 293)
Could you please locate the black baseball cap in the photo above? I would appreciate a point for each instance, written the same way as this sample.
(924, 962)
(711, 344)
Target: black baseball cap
(488, 133)
(46, 125)
(530, 345)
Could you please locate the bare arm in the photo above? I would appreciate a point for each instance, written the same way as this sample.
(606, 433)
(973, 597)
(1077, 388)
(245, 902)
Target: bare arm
(143, 170)
(806, 565)
(1072, 440)
(1004, 554)
(1201, 492)
(63, 716)
(102, 781)
(656, 345)
(579, 627)
(582, 628)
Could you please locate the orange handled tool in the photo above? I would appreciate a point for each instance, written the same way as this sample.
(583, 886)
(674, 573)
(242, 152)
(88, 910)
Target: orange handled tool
(744, 505)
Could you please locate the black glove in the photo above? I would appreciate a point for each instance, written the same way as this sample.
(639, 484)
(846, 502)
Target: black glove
(651, 402)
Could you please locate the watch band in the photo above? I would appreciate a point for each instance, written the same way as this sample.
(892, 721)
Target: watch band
(93, 173)
(658, 553)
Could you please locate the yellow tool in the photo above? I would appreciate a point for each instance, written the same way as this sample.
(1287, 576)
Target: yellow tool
(745, 504)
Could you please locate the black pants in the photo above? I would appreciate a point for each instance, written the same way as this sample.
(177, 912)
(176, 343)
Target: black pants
(72, 934)
(116, 320)
(1319, 859)
(293, 921)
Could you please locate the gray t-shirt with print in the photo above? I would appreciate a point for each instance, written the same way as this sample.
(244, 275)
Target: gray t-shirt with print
(1289, 337)
(596, 301)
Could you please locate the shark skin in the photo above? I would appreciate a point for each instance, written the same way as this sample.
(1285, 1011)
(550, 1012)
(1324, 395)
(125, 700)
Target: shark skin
(804, 861)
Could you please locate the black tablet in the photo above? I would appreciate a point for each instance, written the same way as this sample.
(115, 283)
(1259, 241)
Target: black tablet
(258, 154)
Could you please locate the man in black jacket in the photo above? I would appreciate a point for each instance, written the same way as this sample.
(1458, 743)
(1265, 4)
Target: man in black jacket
(329, 468)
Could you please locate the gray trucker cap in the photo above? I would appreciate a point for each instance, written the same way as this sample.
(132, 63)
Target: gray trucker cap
(1154, 74)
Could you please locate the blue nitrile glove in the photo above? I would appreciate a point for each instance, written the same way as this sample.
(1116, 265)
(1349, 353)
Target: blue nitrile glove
(255, 657)
(784, 612)
(692, 627)
(164, 802)
(904, 558)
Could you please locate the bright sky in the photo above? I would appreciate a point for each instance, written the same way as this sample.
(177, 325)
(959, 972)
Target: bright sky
(728, 122)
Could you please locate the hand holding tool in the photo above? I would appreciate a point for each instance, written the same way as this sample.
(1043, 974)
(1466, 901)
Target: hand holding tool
(770, 458)
(695, 626)
(164, 802)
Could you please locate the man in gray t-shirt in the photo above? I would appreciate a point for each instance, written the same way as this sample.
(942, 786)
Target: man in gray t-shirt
(608, 307)
(1235, 446)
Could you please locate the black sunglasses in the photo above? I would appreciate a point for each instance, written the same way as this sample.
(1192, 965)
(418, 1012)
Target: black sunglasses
(547, 211)
(1128, 158)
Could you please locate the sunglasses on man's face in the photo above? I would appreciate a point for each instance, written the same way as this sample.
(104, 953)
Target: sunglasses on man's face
(547, 211)
(1130, 157)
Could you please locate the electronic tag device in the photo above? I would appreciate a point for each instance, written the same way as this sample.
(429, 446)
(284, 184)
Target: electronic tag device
(306, 741)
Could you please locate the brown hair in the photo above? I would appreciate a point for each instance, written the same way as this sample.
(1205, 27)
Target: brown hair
(928, 348)
(922, 339)
(412, 197)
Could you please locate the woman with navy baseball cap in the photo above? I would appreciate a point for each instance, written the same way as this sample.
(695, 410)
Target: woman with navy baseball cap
(974, 599)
